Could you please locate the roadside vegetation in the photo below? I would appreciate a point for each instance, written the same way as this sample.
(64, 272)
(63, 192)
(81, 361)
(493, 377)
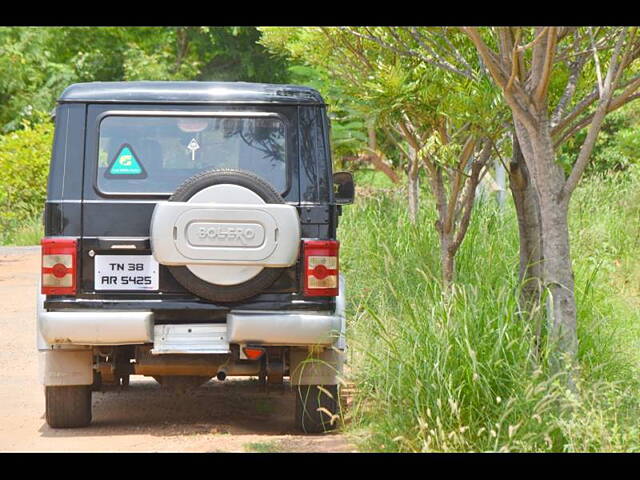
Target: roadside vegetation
(24, 168)
(460, 371)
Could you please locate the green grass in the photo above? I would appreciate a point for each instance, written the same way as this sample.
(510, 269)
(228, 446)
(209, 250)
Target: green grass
(459, 372)
(372, 178)
(262, 447)
(26, 232)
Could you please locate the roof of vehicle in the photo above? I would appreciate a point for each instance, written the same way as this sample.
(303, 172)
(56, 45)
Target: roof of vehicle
(189, 92)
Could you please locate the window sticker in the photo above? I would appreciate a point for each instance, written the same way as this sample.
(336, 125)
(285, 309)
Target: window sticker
(126, 162)
(193, 146)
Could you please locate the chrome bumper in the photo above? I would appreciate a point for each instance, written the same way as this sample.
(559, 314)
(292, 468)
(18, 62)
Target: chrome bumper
(82, 328)
(284, 328)
(95, 328)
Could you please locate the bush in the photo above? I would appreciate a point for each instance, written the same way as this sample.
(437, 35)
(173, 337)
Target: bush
(24, 167)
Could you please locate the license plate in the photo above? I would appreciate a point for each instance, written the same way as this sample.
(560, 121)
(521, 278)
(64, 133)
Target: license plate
(126, 272)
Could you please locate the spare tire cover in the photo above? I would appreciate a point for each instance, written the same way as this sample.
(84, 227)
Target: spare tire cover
(220, 283)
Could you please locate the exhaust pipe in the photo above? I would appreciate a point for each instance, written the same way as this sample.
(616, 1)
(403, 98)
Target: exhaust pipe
(221, 375)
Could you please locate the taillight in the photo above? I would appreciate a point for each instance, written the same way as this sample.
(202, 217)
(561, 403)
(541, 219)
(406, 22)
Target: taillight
(321, 268)
(59, 266)
(253, 353)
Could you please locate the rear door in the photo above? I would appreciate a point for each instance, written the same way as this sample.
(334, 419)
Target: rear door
(135, 155)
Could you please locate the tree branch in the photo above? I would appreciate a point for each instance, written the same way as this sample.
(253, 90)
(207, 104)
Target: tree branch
(577, 110)
(406, 52)
(534, 41)
(456, 53)
(437, 186)
(596, 60)
(395, 141)
(515, 61)
(377, 159)
(540, 94)
(614, 104)
(355, 65)
(497, 71)
(598, 117)
(458, 182)
(576, 69)
(496, 68)
(440, 60)
(476, 168)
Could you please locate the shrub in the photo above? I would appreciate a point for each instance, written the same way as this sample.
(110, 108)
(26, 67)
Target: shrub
(24, 167)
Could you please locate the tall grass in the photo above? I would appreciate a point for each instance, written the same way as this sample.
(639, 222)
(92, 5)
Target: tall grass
(460, 372)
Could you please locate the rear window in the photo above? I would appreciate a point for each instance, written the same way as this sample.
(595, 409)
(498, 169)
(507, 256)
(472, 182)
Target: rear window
(155, 154)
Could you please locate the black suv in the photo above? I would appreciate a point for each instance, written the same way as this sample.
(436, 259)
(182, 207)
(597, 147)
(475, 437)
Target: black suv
(190, 233)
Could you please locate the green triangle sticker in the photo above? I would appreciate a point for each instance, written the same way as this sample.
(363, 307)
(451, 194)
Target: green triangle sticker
(126, 163)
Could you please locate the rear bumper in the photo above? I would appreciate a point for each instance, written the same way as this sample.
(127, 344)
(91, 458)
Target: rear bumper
(95, 327)
(285, 328)
(99, 327)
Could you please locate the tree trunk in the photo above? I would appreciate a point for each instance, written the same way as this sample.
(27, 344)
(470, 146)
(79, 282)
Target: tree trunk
(447, 260)
(412, 185)
(528, 215)
(500, 183)
(371, 136)
(557, 271)
(182, 46)
(558, 277)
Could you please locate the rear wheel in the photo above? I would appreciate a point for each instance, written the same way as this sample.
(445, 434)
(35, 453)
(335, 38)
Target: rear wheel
(316, 408)
(68, 406)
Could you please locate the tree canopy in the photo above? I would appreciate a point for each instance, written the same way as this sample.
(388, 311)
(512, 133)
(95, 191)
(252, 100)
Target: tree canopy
(37, 63)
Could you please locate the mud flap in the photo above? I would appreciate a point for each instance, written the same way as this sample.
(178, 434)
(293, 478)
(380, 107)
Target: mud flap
(308, 367)
(65, 367)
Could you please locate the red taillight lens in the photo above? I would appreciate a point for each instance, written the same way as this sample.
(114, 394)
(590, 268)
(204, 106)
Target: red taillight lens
(321, 268)
(59, 257)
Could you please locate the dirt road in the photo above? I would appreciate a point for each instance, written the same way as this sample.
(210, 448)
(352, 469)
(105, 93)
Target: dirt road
(233, 416)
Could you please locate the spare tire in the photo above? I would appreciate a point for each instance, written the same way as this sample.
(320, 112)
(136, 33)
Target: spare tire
(246, 282)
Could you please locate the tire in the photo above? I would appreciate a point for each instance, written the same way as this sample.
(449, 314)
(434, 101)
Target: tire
(225, 293)
(68, 406)
(311, 400)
